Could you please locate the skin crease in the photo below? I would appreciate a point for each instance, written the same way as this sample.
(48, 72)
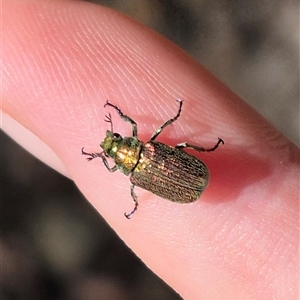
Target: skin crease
(61, 62)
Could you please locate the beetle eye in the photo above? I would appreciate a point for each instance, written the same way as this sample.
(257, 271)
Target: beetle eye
(117, 136)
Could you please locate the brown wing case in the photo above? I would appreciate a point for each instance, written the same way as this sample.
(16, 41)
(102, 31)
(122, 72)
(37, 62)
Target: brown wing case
(170, 173)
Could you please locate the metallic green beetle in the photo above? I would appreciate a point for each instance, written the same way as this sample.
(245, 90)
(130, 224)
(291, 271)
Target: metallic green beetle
(164, 170)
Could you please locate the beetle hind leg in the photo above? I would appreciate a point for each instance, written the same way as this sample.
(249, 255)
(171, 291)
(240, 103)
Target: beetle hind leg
(200, 149)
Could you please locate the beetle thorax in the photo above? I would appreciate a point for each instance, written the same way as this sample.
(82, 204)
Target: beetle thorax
(125, 151)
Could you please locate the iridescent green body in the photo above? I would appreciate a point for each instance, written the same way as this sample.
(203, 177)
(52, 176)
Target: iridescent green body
(166, 171)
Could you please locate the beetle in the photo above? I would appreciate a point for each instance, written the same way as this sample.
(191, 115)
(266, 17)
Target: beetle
(164, 170)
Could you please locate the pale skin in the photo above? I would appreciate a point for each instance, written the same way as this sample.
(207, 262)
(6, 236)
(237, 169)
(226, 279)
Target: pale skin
(63, 60)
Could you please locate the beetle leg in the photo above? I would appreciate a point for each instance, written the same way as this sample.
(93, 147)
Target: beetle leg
(92, 155)
(160, 129)
(134, 197)
(125, 118)
(109, 120)
(113, 169)
(197, 148)
(95, 155)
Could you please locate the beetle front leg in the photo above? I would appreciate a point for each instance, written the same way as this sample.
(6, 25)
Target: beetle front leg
(197, 148)
(105, 162)
(134, 197)
(92, 155)
(125, 118)
(101, 155)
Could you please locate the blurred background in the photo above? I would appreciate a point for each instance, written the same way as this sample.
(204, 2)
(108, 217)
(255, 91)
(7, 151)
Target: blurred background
(60, 247)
